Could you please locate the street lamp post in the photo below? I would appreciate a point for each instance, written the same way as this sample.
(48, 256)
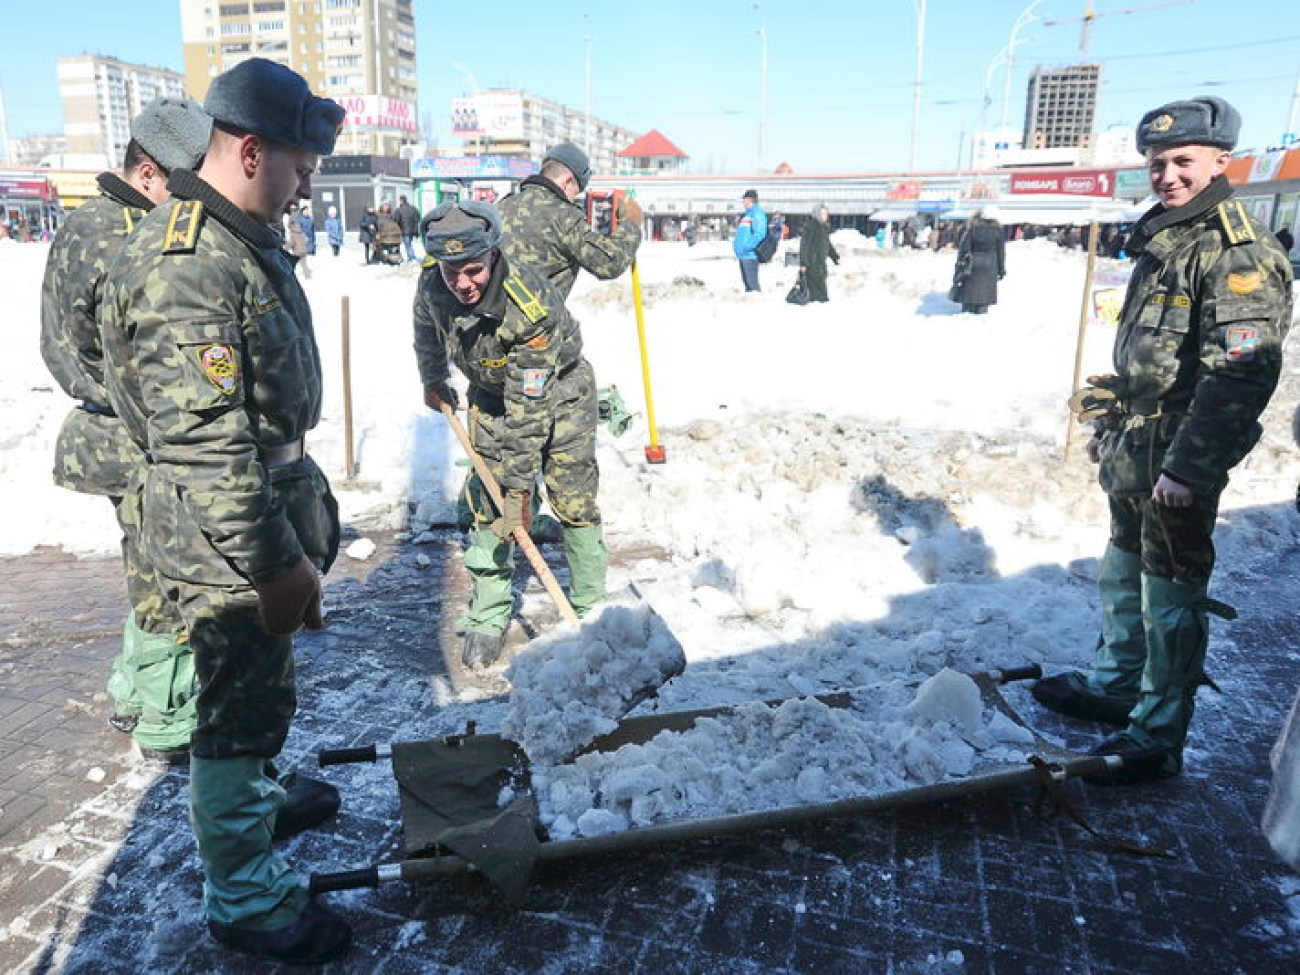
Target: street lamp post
(1024, 20)
(919, 6)
(762, 88)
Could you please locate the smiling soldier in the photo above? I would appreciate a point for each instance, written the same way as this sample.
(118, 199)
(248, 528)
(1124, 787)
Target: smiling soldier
(1197, 356)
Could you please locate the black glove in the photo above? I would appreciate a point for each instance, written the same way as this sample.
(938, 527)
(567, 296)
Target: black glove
(435, 394)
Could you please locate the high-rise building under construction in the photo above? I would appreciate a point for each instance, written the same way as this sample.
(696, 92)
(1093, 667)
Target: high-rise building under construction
(1061, 107)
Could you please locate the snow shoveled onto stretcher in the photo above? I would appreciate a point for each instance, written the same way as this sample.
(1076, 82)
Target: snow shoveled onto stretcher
(802, 752)
(572, 686)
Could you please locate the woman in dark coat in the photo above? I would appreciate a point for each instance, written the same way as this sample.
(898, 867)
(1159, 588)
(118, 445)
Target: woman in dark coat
(981, 263)
(814, 247)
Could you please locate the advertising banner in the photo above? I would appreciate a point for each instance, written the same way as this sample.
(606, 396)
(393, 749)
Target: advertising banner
(1072, 182)
(377, 112)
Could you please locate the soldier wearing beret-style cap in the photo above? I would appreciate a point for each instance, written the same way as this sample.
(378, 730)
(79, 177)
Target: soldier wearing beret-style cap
(1197, 357)
(94, 454)
(212, 364)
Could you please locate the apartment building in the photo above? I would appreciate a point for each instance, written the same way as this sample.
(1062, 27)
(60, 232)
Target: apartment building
(513, 122)
(361, 53)
(1061, 108)
(100, 97)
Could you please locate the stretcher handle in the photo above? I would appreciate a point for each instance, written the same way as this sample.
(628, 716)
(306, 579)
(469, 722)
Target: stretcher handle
(1027, 672)
(347, 756)
(323, 883)
(535, 559)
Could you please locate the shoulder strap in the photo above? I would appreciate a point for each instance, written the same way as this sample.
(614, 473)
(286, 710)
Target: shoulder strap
(1235, 222)
(524, 299)
(183, 227)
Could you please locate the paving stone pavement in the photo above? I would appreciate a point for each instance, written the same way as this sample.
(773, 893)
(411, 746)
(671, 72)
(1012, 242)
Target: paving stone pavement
(98, 872)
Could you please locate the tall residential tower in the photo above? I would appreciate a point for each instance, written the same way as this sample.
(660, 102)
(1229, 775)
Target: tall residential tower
(361, 53)
(100, 97)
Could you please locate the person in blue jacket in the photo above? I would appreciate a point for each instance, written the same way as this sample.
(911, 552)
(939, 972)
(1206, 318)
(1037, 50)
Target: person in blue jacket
(334, 230)
(749, 232)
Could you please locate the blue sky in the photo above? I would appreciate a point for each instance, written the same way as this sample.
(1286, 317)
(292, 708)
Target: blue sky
(839, 72)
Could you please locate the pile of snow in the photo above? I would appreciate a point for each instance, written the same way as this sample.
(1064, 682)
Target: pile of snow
(571, 686)
(756, 757)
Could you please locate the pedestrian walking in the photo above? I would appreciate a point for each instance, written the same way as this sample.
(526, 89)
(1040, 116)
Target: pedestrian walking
(814, 248)
(334, 229)
(981, 264)
(408, 220)
(750, 231)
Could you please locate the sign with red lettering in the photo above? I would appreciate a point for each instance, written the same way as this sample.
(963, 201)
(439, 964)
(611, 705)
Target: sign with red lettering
(377, 112)
(1071, 182)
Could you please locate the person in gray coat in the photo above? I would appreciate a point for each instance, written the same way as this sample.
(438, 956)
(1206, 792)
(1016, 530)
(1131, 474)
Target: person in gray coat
(981, 264)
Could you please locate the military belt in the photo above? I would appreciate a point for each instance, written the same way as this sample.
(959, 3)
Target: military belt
(282, 455)
(98, 409)
(1153, 405)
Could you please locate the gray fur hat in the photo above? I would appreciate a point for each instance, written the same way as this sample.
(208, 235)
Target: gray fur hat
(1201, 121)
(173, 132)
(461, 231)
(268, 99)
(573, 159)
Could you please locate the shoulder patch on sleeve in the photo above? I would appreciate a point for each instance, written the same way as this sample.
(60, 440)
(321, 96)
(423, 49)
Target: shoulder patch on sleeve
(428, 262)
(183, 227)
(525, 299)
(1235, 222)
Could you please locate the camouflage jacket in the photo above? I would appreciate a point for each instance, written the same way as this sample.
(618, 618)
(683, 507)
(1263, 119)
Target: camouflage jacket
(211, 361)
(544, 229)
(511, 346)
(94, 454)
(1200, 343)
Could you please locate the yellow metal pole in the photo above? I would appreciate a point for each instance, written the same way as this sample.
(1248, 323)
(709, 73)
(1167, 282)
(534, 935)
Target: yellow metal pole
(654, 452)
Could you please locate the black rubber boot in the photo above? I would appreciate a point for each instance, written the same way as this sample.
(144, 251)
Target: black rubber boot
(178, 757)
(310, 802)
(482, 649)
(318, 936)
(1069, 694)
(1144, 760)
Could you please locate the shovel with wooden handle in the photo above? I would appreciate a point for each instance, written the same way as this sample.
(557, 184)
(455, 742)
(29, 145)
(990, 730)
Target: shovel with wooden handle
(520, 535)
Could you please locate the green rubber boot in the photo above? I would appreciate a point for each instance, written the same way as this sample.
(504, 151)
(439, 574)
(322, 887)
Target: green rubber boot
(1110, 692)
(1122, 645)
(584, 549)
(1178, 634)
(166, 689)
(490, 562)
(233, 808)
(125, 709)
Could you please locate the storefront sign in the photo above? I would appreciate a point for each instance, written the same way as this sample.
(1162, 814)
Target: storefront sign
(1074, 182)
(472, 167)
(377, 112)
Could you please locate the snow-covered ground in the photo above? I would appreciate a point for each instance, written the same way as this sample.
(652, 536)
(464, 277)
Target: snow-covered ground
(865, 491)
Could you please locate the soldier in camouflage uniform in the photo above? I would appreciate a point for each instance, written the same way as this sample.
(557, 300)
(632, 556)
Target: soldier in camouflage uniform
(212, 363)
(151, 683)
(545, 228)
(1197, 356)
(532, 400)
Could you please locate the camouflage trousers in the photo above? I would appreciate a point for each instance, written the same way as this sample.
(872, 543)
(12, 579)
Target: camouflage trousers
(569, 468)
(1174, 543)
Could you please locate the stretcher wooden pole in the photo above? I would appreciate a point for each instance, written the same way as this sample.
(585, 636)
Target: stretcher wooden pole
(520, 535)
(1085, 311)
(349, 462)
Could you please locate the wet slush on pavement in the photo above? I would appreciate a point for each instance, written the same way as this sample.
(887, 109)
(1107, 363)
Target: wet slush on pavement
(98, 870)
